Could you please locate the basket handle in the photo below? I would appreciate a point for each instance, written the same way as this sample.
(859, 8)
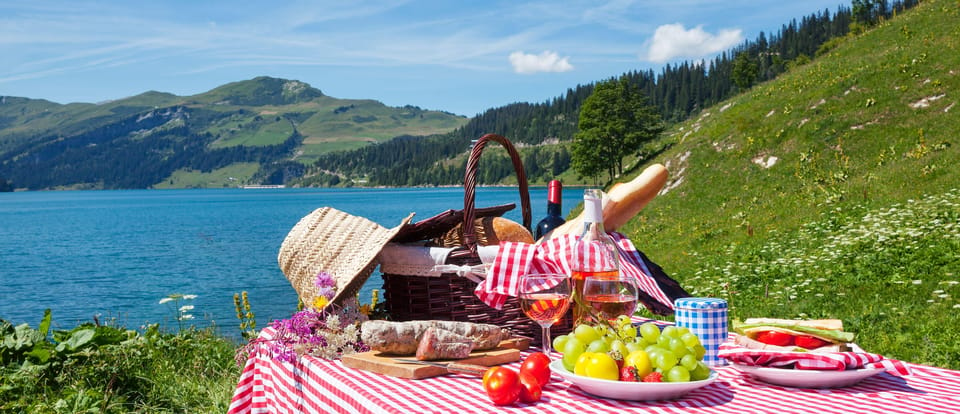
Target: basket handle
(470, 187)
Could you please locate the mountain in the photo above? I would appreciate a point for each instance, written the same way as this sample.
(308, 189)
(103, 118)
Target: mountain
(262, 130)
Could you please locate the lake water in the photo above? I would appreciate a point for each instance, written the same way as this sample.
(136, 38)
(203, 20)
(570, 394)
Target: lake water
(115, 254)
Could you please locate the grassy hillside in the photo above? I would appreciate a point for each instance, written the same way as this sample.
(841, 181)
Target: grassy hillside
(836, 181)
(265, 120)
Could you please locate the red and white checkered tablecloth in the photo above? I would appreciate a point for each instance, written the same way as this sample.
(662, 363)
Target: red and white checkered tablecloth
(313, 385)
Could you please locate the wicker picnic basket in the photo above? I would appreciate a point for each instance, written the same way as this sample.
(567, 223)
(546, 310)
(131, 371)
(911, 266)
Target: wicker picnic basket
(450, 296)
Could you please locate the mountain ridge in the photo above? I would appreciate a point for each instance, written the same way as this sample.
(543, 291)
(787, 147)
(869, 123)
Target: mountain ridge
(249, 118)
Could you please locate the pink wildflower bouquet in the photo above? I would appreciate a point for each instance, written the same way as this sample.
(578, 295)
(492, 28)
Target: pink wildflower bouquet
(324, 330)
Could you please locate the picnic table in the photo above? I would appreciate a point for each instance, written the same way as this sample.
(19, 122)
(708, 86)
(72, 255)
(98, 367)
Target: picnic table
(315, 385)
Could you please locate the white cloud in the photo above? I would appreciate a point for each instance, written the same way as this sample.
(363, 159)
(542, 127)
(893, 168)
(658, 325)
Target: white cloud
(675, 41)
(544, 62)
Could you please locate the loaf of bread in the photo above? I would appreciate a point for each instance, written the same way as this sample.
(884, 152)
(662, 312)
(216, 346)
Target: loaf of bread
(490, 231)
(622, 202)
(506, 230)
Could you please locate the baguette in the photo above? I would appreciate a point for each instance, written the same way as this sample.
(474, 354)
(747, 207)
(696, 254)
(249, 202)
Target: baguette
(627, 199)
(622, 203)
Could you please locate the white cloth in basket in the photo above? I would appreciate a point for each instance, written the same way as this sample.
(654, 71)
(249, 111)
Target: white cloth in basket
(421, 260)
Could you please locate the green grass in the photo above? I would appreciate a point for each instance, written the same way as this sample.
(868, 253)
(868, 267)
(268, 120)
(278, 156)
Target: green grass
(232, 175)
(341, 124)
(117, 371)
(853, 155)
(252, 131)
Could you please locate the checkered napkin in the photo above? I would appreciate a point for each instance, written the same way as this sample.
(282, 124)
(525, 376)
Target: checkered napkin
(826, 361)
(516, 259)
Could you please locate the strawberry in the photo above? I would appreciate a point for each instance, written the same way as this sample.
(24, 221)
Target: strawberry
(617, 357)
(629, 374)
(653, 377)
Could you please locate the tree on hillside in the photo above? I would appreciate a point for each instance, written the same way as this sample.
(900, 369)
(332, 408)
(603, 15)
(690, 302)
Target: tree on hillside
(615, 121)
(868, 12)
(5, 186)
(744, 71)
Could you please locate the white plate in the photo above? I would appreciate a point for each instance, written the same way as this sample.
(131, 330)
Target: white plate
(806, 378)
(637, 391)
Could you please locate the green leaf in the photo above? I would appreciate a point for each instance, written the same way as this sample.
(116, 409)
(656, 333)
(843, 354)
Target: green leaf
(106, 335)
(44, 327)
(24, 337)
(77, 339)
(41, 352)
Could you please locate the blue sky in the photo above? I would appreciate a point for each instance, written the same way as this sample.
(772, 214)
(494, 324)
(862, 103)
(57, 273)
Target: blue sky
(458, 56)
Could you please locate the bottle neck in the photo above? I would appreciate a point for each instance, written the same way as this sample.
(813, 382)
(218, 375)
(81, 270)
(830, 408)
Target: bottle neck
(592, 230)
(592, 208)
(595, 251)
(553, 209)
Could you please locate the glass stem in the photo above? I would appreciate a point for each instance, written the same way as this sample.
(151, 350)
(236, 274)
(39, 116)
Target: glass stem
(546, 340)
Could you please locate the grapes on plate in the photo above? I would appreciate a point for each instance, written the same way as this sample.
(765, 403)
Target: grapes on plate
(672, 351)
(650, 332)
(677, 374)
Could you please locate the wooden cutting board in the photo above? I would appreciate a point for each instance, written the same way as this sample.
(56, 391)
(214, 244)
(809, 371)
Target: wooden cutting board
(375, 361)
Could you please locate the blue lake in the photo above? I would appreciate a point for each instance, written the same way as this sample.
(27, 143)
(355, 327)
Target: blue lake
(115, 254)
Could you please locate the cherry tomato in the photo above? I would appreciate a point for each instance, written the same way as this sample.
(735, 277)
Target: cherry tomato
(538, 365)
(530, 389)
(810, 342)
(502, 385)
(775, 338)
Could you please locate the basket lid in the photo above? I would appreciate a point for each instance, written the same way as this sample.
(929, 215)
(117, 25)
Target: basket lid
(700, 303)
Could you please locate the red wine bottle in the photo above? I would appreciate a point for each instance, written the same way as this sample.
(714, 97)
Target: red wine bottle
(553, 218)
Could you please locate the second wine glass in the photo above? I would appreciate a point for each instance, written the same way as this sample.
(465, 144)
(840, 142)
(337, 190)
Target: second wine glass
(610, 296)
(545, 298)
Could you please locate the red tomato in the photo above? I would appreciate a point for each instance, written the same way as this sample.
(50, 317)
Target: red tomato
(502, 385)
(530, 389)
(810, 342)
(775, 338)
(538, 365)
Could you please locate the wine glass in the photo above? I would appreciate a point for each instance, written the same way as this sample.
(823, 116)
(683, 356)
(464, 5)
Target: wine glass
(545, 297)
(610, 296)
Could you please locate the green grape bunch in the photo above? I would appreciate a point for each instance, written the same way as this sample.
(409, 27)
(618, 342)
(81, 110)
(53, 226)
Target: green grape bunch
(675, 353)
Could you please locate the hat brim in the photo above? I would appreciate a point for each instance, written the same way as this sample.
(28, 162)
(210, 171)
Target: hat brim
(340, 244)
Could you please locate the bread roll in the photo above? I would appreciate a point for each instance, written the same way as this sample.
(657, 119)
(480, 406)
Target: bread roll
(506, 230)
(490, 231)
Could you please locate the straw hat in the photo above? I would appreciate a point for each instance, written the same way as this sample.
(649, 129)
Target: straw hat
(329, 240)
